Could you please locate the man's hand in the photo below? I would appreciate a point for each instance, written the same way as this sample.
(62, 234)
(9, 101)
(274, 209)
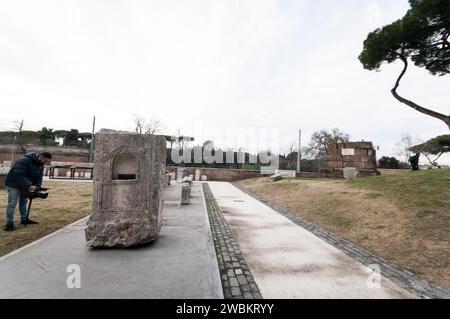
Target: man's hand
(32, 189)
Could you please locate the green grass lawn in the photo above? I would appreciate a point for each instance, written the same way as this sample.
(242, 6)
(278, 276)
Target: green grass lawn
(427, 190)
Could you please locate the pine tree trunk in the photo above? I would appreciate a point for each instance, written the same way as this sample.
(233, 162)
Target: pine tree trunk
(418, 108)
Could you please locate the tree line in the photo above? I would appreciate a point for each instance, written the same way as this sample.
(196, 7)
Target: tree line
(48, 137)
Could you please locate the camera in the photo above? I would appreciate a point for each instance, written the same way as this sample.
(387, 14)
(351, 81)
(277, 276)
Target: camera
(40, 192)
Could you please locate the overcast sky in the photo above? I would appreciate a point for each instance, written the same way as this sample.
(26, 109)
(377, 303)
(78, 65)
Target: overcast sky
(200, 65)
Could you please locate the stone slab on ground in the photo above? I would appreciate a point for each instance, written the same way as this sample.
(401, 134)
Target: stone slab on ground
(181, 263)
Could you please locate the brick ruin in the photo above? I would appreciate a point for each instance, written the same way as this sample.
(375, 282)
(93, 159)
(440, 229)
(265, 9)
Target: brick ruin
(360, 155)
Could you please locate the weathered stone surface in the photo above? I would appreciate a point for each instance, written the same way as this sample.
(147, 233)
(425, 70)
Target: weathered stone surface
(180, 174)
(204, 178)
(129, 178)
(188, 180)
(4, 170)
(168, 179)
(6, 164)
(197, 175)
(186, 194)
(350, 172)
(275, 178)
(286, 173)
(359, 155)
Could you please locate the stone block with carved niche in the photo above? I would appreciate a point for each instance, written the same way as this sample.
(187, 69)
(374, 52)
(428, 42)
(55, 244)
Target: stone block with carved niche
(129, 179)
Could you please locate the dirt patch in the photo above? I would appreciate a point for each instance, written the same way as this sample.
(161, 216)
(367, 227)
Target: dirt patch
(407, 235)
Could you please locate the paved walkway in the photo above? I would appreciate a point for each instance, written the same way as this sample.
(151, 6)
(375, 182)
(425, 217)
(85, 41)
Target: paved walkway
(288, 261)
(237, 278)
(181, 264)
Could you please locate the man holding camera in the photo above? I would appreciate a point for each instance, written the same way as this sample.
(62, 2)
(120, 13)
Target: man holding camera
(24, 177)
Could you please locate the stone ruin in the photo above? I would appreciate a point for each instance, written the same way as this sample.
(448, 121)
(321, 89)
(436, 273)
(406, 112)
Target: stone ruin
(185, 194)
(168, 179)
(358, 155)
(129, 178)
(4, 170)
(186, 190)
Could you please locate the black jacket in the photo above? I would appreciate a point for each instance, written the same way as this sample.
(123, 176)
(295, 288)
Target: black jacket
(414, 160)
(26, 171)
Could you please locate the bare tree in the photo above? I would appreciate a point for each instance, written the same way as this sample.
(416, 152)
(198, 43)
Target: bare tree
(292, 147)
(151, 126)
(321, 141)
(18, 126)
(404, 145)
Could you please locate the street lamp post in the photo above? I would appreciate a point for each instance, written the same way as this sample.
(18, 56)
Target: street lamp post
(91, 148)
(299, 153)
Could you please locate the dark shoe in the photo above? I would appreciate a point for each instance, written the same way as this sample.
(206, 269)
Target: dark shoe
(9, 227)
(28, 222)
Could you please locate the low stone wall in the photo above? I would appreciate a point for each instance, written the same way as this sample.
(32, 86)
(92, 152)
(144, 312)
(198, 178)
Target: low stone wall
(218, 174)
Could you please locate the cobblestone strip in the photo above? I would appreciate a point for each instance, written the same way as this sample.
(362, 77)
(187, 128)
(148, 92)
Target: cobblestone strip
(404, 278)
(237, 279)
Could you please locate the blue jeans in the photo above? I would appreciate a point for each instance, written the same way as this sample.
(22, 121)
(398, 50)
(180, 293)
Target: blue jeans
(14, 196)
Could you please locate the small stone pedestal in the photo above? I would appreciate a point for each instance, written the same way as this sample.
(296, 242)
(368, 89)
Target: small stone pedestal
(185, 194)
(180, 174)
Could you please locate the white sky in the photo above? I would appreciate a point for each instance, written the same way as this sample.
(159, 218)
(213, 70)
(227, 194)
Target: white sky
(203, 65)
